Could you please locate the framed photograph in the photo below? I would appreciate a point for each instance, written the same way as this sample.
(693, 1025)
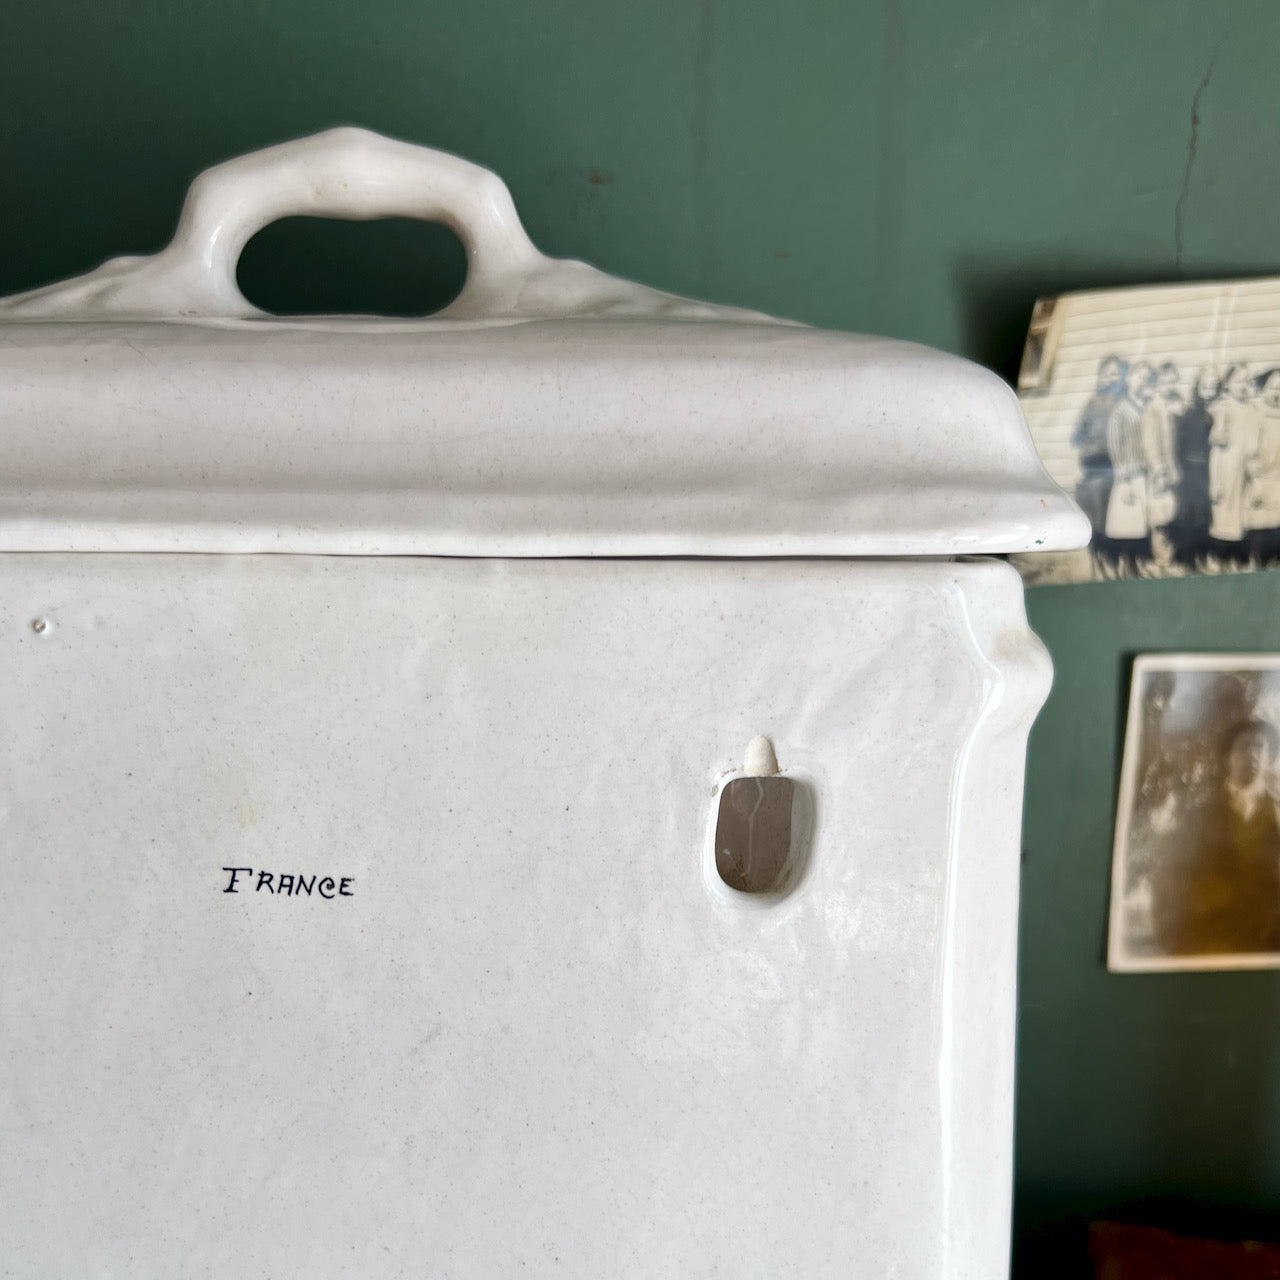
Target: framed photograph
(1195, 881)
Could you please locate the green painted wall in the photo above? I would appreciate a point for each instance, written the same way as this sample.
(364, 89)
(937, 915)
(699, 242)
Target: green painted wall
(1150, 1097)
(922, 168)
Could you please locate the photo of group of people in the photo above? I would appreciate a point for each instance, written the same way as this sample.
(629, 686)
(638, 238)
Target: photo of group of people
(1196, 879)
(1158, 409)
(1181, 467)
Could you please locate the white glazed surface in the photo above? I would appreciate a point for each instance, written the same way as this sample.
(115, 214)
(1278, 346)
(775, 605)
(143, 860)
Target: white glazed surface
(540, 1038)
(551, 410)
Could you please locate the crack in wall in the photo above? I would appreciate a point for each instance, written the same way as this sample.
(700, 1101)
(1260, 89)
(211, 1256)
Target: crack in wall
(1193, 142)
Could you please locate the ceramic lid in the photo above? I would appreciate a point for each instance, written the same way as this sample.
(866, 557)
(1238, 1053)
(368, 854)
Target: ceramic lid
(550, 410)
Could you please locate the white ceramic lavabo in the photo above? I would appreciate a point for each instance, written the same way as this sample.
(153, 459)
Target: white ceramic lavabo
(362, 911)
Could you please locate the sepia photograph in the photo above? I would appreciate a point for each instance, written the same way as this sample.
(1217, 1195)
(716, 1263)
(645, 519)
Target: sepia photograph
(1196, 871)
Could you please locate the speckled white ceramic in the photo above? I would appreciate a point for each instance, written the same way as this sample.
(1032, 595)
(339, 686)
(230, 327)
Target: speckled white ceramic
(516, 1025)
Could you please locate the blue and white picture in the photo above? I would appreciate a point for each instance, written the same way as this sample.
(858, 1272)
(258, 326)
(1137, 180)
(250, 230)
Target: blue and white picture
(1159, 411)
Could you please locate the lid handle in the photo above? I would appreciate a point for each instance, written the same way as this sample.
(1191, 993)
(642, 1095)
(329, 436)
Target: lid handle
(354, 174)
(349, 173)
(342, 173)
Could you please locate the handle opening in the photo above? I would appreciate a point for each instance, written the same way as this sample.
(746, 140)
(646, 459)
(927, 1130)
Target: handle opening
(309, 265)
